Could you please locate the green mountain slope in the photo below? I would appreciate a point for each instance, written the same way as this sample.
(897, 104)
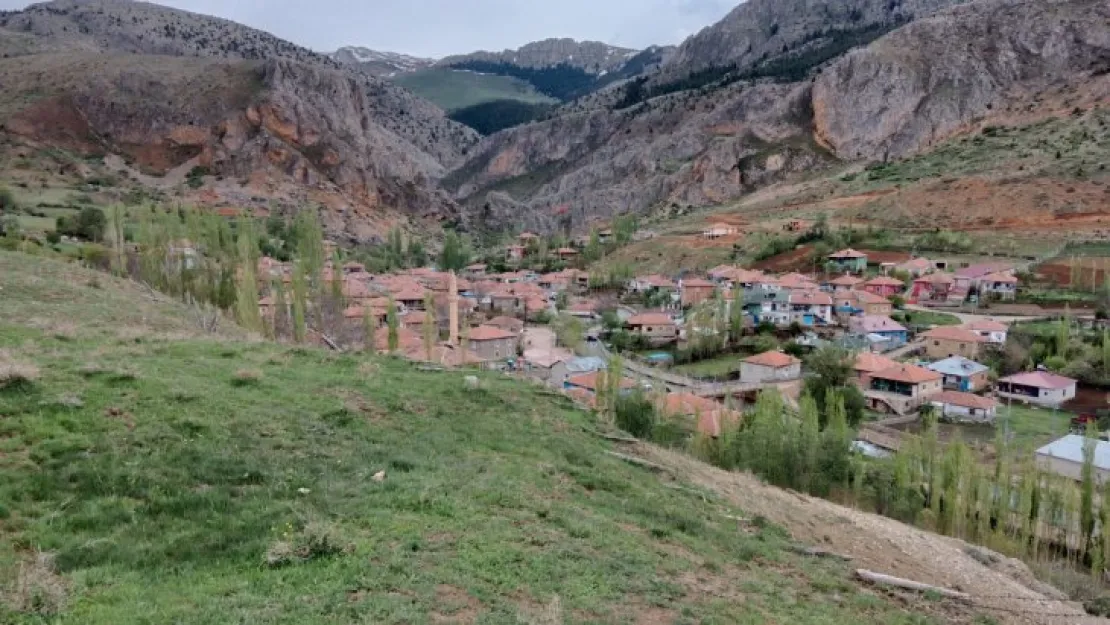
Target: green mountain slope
(152, 474)
(452, 89)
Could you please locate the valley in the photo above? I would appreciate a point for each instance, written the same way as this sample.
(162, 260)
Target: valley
(801, 317)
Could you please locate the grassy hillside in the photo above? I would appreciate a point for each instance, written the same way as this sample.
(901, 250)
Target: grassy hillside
(456, 89)
(150, 473)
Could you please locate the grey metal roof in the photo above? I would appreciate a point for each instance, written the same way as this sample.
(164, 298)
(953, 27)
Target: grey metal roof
(957, 365)
(1070, 448)
(585, 364)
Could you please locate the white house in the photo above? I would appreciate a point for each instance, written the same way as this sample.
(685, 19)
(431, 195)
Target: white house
(964, 407)
(811, 307)
(770, 367)
(1000, 285)
(1037, 387)
(1064, 457)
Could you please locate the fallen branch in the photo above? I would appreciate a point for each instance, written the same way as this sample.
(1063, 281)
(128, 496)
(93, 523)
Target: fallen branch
(817, 552)
(897, 582)
(639, 462)
(330, 343)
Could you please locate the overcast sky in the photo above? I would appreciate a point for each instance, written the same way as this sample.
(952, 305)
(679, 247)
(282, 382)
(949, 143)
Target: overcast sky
(442, 27)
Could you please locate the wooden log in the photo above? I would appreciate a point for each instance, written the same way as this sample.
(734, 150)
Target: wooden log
(909, 584)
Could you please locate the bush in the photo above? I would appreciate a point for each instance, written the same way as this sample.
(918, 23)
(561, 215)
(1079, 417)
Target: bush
(7, 200)
(635, 414)
(53, 237)
(17, 375)
(246, 377)
(90, 224)
(316, 540)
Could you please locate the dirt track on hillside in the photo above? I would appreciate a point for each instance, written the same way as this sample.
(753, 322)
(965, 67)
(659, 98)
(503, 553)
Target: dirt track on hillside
(1006, 588)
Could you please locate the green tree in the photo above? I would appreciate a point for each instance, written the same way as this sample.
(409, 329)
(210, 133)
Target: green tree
(1087, 486)
(310, 245)
(831, 368)
(418, 256)
(395, 249)
(430, 329)
(562, 300)
(569, 331)
(281, 309)
(393, 324)
(300, 302)
(809, 445)
(1063, 335)
(246, 309)
(369, 329)
(454, 255)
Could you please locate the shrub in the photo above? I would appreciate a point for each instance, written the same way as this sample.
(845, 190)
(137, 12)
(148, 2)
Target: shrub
(38, 588)
(635, 414)
(315, 540)
(89, 224)
(17, 375)
(246, 377)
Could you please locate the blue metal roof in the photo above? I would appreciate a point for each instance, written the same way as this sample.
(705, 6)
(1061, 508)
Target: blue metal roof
(958, 366)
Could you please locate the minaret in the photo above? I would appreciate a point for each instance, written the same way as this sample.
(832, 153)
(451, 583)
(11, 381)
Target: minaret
(453, 310)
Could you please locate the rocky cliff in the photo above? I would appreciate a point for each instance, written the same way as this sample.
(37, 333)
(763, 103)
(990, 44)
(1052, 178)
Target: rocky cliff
(167, 88)
(933, 78)
(761, 30)
(591, 56)
(723, 137)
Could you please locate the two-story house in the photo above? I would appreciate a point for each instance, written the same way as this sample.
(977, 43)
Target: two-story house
(811, 307)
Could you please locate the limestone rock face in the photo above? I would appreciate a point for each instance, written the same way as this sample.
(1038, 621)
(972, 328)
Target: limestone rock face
(932, 78)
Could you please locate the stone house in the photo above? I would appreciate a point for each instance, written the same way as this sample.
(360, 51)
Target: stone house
(657, 328)
(491, 344)
(945, 342)
(770, 367)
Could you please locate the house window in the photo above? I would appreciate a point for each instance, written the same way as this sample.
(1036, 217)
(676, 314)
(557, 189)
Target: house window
(649, 329)
(936, 343)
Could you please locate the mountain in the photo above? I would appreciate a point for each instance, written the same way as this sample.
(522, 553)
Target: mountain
(698, 133)
(375, 63)
(592, 57)
(169, 90)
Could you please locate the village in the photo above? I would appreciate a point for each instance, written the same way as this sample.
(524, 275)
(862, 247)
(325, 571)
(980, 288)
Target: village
(753, 329)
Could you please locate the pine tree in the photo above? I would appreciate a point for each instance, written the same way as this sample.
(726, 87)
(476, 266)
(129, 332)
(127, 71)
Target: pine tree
(300, 302)
(393, 324)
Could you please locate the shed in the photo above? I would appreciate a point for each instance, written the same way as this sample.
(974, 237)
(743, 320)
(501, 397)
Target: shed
(1064, 456)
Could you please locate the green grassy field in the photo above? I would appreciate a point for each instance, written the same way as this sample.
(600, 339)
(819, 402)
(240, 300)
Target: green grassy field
(926, 317)
(719, 367)
(153, 473)
(454, 89)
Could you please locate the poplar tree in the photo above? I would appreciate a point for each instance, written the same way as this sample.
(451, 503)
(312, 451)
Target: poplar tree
(430, 329)
(281, 309)
(1087, 486)
(247, 302)
(369, 328)
(809, 444)
(392, 323)
(300, 302)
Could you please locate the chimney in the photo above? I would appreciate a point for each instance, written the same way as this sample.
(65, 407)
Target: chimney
(453, 310)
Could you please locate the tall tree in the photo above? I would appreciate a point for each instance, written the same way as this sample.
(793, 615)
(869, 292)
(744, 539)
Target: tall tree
(300, 302)
(393, 324)
(369, 329)
(808, 443)
(1087, 485)
(454, 256)
(281, 309)
(246, 309)
(431, 331)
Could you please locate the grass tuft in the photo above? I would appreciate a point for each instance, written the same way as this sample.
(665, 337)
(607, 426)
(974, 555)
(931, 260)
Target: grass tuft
(38, 590)
(18, 376)
(246, 377)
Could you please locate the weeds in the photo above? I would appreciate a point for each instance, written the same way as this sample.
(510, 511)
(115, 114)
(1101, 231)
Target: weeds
(39, 590)
(315, 540)
(18, 376)
(246, 377)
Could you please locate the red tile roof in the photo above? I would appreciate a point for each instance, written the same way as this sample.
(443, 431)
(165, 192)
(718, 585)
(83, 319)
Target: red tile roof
(489, 333)
(848, 253)
(846, 280)
(651, 319)
(910, 374)
(949, 333)
(937, 278)
(772, 359)
(1039, 379)
(866, 297)
(1000, 277)
(986, 325)
(590, 381)
(697, 283)
(869, 362)
(967, 400)
(884, 281)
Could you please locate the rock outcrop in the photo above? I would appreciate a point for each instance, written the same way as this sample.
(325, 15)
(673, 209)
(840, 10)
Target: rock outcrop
(590, 56)
(933, 78)
(377, 63)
